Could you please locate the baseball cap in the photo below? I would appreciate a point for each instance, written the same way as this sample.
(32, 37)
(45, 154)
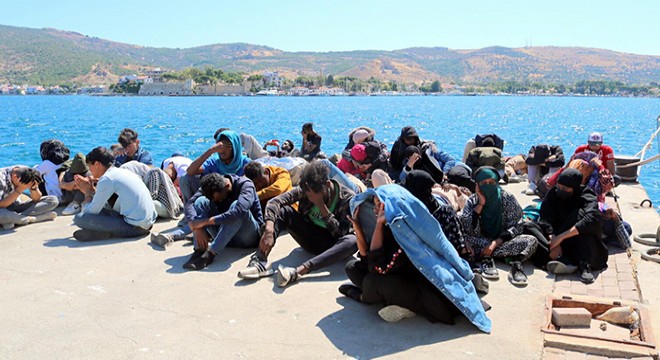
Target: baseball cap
(595, 137)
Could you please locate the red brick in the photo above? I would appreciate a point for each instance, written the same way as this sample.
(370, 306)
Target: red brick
(578, 288)
(627, 285)
(629, 295)
(625, 276)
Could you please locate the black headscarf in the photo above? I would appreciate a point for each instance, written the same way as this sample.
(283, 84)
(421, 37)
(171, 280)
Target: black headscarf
(571, 178)
(420, 184)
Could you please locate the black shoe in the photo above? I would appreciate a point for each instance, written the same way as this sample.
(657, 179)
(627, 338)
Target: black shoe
(517, 275)
(351, 291)
(488, 269)
(84, 235)
(201, 262)
(585, 274)
(195, 255)
(480, 284)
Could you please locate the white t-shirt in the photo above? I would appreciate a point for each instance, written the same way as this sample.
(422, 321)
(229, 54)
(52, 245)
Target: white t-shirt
(181, 164)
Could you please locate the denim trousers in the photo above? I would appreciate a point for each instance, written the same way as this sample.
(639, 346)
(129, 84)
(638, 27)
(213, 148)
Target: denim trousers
(336, 174)
(241, 231)
(108, 221)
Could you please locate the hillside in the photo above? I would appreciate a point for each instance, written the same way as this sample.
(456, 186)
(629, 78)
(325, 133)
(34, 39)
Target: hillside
(50, 56)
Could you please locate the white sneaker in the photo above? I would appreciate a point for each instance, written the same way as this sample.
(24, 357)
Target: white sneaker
(395, 313)
(72, 209)
(531, 190)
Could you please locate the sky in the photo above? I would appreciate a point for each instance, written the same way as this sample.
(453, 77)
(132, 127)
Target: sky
(339, 25)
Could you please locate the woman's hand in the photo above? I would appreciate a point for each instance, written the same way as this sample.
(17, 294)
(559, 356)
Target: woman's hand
(488, 250)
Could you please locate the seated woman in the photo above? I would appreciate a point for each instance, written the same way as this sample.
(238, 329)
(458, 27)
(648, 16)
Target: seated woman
(572, 222)
(490, 222)
(421, 184)
(409, 265)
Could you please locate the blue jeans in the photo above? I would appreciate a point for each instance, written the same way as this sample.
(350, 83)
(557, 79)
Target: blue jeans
(241, 231)
(108, 221)
(336, 174)
(189, 186)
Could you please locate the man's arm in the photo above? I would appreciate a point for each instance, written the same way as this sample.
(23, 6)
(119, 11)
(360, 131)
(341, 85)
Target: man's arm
(13, 196)
(196, 166)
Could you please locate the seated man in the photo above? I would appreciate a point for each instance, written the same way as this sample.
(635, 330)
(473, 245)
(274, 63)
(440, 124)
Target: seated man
(285, 150)
(176, 166)
(270, 181)
(320, 226)
(487, 155)
(116, 189)
(604, 152)
(130, 143)
(229, 160)
(515, 166)
(71, 195)
(53, 155)
(14, 180)
(542, 159)
(226, 208)
(311, 143)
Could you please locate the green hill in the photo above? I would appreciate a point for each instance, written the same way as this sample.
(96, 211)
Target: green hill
(50, 56)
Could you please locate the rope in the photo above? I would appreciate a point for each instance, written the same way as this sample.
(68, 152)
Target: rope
(639, 163)
(648, 143)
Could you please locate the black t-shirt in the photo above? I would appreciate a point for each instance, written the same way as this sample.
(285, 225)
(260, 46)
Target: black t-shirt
(313, 139)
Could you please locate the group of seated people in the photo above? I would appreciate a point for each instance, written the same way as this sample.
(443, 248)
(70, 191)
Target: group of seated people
(415, 215)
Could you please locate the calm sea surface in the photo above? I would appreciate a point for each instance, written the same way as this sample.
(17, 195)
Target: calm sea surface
(168, 124)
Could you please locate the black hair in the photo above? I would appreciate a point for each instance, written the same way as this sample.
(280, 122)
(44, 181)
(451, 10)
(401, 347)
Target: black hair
(217, 132)
(308, 126)
(213, 183)
(102, 155)
(127, 136)
(28, 175)
(253, 170)
(314, 176)
(292, 146)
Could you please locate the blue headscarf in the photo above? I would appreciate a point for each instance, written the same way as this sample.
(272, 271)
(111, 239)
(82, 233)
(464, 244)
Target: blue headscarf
(237, 162)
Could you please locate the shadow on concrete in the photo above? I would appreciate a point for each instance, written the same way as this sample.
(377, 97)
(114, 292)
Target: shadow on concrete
(70, 242)
(222, 261)
(379, 338)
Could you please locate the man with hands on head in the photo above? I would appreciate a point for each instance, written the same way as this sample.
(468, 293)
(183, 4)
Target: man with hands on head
(14, 181)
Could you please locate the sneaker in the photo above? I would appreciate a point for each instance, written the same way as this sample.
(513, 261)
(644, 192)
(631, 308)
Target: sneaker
(585, 274)
(8, 226)
(488, 269)
(286, 276)
(85, 235)
(531, 189)
(480, 284)
(395, 313)
(557, 267)
(517, 275)
(200, 262)
(256, 268)
(195, 255)
(71, 209)
(351, 291)
(161, 240)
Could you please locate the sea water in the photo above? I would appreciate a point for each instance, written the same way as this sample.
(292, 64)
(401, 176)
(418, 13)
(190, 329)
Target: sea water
(187, 124)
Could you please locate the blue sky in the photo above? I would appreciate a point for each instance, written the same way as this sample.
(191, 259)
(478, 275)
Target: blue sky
(338, 25)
